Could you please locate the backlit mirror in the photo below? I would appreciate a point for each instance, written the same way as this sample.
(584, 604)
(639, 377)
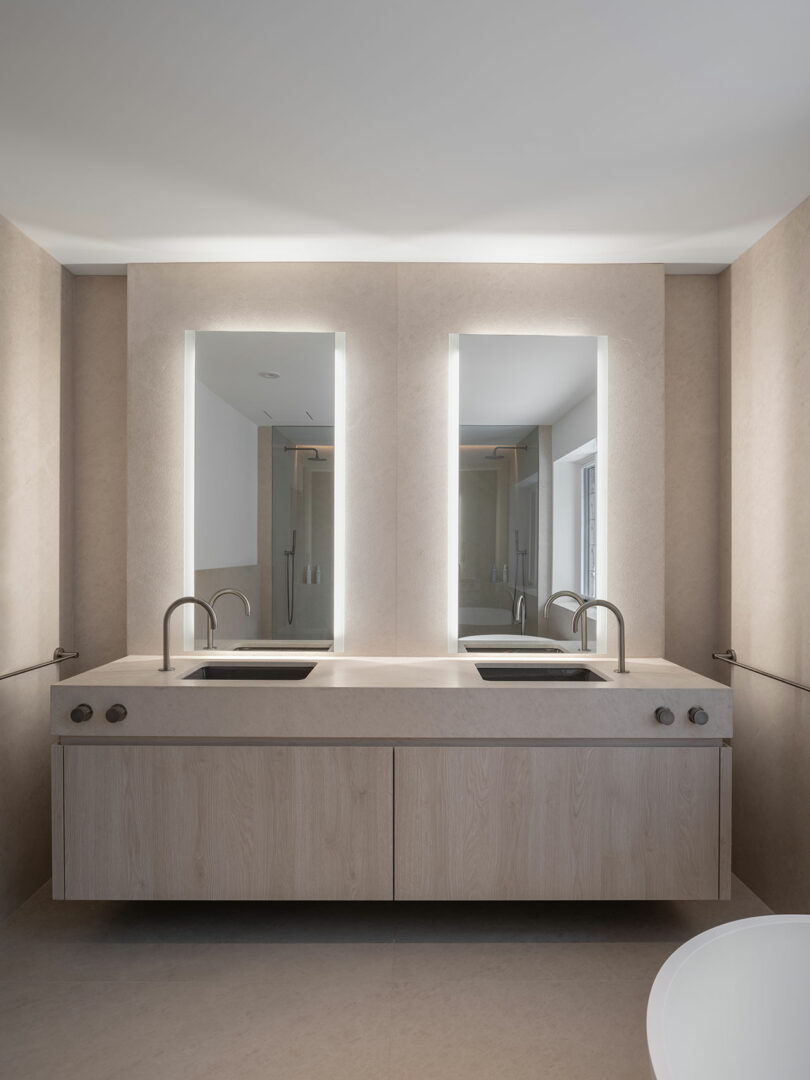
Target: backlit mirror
(264, 508)
(528, 512)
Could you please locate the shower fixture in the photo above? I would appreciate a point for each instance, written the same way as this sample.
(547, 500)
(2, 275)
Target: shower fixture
(289, 573)
(519, 598)
(314, 450)
(495, 456)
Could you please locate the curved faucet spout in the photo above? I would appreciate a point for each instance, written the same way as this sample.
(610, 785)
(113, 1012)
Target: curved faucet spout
(167, 618)
(212, 602)
(573, 596)
(579, 613)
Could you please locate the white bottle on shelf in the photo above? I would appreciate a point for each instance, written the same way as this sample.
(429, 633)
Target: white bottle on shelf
(317, 573)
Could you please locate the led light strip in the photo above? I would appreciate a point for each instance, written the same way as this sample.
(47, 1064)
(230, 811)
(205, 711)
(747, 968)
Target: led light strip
(339, 628)
(452, 495)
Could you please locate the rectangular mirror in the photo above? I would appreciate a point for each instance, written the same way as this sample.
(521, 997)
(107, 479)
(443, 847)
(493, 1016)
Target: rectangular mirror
(528, 513)
(264, 511)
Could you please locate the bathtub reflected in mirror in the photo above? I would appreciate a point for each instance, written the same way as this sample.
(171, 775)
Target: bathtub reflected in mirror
(528, 459)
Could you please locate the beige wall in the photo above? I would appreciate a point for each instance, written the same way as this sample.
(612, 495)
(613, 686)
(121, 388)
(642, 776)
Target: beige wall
(625, 303)
(398, 320)
(31, 359)
(694, 622)
(770, 522)
(167, 300)
(99, 405)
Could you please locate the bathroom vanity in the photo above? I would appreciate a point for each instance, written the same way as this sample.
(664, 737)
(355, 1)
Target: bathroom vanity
(390, 778)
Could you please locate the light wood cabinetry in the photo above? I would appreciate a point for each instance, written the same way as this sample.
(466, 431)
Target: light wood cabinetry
(168, 822)
(557, 822)
(163, 821)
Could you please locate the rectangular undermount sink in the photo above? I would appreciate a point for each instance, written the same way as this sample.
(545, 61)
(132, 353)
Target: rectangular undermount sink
(538, 673)
(282, 648)
(262, 672)
(512, 649)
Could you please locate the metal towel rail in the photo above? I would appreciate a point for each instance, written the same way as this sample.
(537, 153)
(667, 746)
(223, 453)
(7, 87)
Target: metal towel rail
(730, 657)
(59, 655)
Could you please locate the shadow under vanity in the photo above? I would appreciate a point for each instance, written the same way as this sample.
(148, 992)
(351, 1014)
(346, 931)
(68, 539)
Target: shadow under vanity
(522, 765)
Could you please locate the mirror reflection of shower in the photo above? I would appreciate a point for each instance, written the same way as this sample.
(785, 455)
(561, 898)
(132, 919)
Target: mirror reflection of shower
(289, 556)
(264, 409)
(302, 516)
(315, 451)
(527, 507)
(495, 456)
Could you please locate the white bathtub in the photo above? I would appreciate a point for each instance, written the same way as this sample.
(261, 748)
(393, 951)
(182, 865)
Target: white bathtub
(734, 1004)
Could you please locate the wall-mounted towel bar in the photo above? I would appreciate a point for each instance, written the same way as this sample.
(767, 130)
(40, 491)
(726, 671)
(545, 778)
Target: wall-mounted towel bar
(59, 655)
(730, 657)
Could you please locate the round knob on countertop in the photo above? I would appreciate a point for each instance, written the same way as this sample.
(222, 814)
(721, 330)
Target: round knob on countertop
(698, 715)
(664, 715)
(80, 714)
(116, 713)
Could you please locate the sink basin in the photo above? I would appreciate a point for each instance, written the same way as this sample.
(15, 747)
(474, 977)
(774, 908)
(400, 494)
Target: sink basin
(262, 672)
(538, 673)
(283, 648)
(513, 649)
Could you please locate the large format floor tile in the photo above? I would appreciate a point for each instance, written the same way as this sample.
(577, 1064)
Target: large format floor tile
(92, 991)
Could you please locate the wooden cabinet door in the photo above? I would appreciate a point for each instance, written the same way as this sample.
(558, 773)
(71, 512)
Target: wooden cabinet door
(228, 822)
(556, 823)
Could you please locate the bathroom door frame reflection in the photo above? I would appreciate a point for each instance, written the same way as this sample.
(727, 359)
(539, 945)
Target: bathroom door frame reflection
(453, 428)
(339, 595)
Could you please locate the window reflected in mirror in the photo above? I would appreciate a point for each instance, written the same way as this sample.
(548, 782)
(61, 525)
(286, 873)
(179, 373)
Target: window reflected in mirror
(264, 488)
(527, 491)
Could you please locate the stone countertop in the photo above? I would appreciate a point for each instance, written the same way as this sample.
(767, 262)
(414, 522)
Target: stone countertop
(390, 699)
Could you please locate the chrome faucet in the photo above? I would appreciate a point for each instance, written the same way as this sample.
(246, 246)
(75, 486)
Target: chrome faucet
(520, 612)
(578, 614)
(212, 620)
(213, 600)
(580, 600)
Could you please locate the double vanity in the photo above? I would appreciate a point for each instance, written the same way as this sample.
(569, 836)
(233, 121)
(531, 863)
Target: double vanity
(317, 776)
(523, 767)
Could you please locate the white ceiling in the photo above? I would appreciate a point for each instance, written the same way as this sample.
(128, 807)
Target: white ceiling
(515, 380)
(229, 364)
(525, 130)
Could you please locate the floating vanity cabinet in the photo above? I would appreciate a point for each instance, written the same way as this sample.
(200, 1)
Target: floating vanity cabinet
(183, 822)
(560, 822)
(391, 779)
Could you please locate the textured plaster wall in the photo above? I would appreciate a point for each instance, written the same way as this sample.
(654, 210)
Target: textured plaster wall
(694, 620)
(398, 320)
(769, 353)
(626, 303)
(98, 392)
(167, 300)
(32, 354)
